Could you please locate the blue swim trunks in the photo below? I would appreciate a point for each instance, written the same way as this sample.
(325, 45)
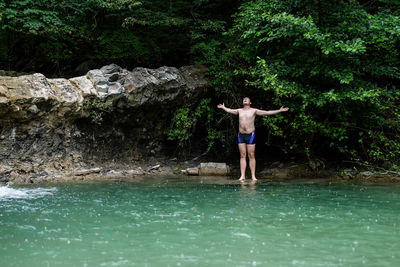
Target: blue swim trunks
(249, 139)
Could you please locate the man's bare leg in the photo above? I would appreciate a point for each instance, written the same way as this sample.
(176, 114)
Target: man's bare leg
(251, 149)
(242, 150)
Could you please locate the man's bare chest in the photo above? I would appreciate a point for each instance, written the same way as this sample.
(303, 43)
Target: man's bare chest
(247, 115)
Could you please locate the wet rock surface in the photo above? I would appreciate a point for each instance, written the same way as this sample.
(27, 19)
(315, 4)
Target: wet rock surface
(47, 127)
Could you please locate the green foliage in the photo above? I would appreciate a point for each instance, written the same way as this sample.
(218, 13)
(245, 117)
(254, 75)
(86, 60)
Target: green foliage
(97, 109)
(67, 33)
(213, 55)
(185, 120)
(335, 65)
(181, 126)
(2, 7)
(55, 37)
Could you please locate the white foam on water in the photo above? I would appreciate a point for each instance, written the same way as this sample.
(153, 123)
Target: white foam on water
(7, 192)
(242, 234)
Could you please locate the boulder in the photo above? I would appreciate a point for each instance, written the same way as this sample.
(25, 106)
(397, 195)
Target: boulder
(110, 69)
(213, 168)
(192, 171)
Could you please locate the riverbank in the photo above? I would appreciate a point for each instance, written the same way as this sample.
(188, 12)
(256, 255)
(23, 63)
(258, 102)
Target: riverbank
(271, 171)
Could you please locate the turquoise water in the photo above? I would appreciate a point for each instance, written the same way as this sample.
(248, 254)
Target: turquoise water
(198, 222)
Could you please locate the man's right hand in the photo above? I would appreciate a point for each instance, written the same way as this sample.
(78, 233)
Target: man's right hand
(221, 105)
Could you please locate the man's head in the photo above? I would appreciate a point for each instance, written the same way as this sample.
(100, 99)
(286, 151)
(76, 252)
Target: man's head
(246, 101)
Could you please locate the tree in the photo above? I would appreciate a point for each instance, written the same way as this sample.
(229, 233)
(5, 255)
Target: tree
(334, 63)
(54, 37)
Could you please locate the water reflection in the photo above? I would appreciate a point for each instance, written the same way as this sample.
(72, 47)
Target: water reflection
(249, 186)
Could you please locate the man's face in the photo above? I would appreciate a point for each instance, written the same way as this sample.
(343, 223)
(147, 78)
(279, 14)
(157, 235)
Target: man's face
(246, 101)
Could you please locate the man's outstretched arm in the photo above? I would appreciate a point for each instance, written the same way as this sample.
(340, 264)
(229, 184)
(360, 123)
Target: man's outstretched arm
(229, 110)
(260, 112)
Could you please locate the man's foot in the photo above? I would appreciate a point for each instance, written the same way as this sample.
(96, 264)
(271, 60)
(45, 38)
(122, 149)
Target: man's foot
(242, 179)
(254, 178)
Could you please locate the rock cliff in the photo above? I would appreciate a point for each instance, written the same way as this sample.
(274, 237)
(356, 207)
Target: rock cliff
(109, 118)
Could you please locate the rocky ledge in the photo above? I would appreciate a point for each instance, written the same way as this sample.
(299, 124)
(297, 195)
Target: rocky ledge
(110, 118)
(109, 124)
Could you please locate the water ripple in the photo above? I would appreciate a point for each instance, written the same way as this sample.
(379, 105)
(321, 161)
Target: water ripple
(7, 192)
(199, 225)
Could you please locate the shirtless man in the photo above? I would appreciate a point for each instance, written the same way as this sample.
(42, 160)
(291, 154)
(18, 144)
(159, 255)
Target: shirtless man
(247, 134)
